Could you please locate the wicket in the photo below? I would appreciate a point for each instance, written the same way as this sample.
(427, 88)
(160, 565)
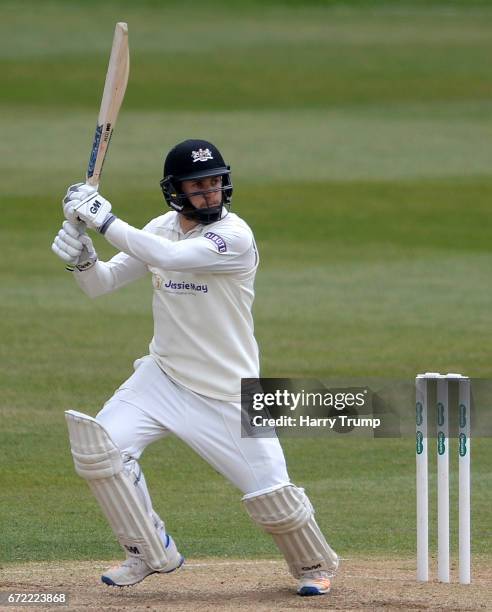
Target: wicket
(422, 384)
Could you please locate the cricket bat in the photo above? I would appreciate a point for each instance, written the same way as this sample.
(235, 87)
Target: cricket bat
(114, 91)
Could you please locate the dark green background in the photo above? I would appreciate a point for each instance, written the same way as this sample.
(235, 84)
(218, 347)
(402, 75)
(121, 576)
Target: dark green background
(360, 137)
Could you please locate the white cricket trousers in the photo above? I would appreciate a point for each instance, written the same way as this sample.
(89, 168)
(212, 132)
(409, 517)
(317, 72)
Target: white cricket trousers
(149, 406)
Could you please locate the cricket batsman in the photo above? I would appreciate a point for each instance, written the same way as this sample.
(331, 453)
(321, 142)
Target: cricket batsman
(202, 260)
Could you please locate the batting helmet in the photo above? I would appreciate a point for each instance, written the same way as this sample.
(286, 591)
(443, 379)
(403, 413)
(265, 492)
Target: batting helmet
(195, 159)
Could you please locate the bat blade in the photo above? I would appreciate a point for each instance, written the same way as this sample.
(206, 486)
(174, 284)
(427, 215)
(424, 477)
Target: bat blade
(114, 91)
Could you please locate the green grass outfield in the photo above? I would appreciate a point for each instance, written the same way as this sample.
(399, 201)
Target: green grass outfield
(360, 136)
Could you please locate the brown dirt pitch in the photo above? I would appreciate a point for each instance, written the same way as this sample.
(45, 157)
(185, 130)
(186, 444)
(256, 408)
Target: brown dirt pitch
(210, 584)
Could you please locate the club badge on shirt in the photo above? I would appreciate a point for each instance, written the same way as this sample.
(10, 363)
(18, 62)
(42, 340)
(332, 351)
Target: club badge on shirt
(217, 240)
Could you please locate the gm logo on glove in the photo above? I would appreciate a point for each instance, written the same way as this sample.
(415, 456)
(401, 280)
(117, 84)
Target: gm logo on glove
(96, 205)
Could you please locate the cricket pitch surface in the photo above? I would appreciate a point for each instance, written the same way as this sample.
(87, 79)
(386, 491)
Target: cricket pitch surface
(234, 584)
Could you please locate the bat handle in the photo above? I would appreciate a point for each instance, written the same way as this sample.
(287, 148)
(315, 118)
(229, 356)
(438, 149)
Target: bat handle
(80, 226)
(92, 181)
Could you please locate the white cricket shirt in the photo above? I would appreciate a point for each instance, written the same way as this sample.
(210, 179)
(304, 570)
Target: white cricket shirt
(203, 294)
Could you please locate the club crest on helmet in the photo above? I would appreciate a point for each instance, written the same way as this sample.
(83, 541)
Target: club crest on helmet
(201, 155)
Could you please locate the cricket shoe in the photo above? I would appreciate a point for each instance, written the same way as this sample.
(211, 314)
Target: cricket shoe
(314, 583)
(133, 570)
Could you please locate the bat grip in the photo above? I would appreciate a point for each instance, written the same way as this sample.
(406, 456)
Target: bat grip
(92, 181)
(80, 226)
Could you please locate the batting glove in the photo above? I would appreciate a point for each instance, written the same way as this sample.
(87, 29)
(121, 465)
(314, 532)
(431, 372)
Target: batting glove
(74, 247)
(75, 194)
(82, 203)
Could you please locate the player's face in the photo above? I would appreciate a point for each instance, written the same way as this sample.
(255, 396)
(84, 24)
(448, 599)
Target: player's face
(211, 185)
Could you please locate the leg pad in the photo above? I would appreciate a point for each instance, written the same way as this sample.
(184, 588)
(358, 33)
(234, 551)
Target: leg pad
(286, 512)
(99, 462)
